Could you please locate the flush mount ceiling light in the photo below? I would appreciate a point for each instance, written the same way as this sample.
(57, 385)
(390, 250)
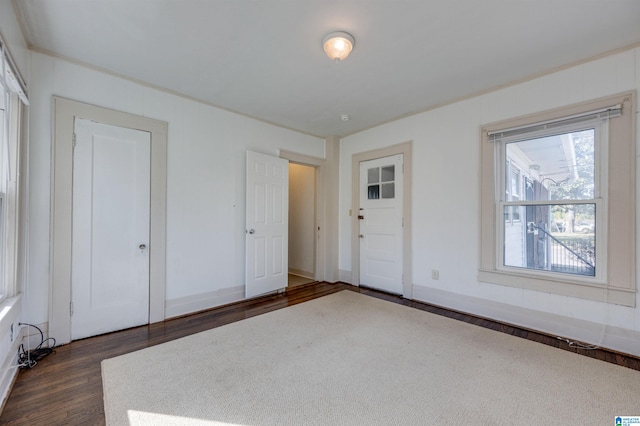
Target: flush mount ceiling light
(338, 45)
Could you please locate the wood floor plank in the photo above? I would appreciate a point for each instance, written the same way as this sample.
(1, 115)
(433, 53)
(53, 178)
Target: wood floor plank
(66, 387)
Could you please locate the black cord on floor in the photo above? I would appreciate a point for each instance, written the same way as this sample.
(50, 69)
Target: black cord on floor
(29, 359)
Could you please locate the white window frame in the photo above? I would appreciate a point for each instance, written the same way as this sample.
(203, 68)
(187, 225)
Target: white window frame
(509, 171)
(13, 89)
(5, 290)
(615, 239)
(10, 194)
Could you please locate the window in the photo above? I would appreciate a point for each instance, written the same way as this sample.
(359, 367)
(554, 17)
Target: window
(546, 221)
(4, 138)
(560, 160)
(512, 190)
(381, 182)
(12, 99)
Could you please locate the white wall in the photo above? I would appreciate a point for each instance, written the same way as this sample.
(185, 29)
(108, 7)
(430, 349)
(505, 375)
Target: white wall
(206, 179)
(446, 198)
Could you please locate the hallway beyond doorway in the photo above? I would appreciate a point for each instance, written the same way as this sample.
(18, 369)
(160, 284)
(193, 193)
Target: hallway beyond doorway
(296, 280)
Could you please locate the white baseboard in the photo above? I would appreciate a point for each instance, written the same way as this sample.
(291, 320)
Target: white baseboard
(10, 339)
(9, 370)
(301, 273)
(200, 302)
(602, 335)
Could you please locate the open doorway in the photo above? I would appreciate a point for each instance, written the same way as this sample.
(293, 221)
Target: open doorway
(302, 224)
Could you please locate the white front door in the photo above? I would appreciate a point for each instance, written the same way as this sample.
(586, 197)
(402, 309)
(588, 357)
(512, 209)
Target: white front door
(110, 242)
(380, 219)
(267, 224)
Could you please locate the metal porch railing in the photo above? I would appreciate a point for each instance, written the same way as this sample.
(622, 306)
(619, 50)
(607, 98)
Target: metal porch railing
(578, 258)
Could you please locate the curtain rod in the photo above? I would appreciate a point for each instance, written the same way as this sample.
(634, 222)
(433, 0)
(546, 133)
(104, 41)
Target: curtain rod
(11, 72)
(614, 108)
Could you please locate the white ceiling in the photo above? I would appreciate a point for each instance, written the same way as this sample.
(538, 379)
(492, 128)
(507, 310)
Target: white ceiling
(263, 58)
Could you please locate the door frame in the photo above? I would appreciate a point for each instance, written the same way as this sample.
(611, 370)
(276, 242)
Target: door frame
(320, 222)
(405, 149)
(64, 113)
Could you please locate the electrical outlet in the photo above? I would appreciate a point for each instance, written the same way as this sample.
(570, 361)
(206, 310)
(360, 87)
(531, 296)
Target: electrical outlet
(435, 274)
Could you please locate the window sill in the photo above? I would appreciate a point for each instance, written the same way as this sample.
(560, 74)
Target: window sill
(582, 290)
(9, 310)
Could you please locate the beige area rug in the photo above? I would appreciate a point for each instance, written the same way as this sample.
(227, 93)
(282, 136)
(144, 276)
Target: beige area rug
(350, 359)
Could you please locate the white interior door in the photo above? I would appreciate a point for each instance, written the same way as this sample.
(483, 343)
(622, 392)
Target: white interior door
(380, 219)
(110, 242)
(267, 238)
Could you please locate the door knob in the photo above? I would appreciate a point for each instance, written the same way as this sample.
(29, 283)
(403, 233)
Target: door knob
(361, 236)
(252, 231)
(142, 246)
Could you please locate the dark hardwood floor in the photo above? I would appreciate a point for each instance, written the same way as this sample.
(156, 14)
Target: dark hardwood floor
(66, 387)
